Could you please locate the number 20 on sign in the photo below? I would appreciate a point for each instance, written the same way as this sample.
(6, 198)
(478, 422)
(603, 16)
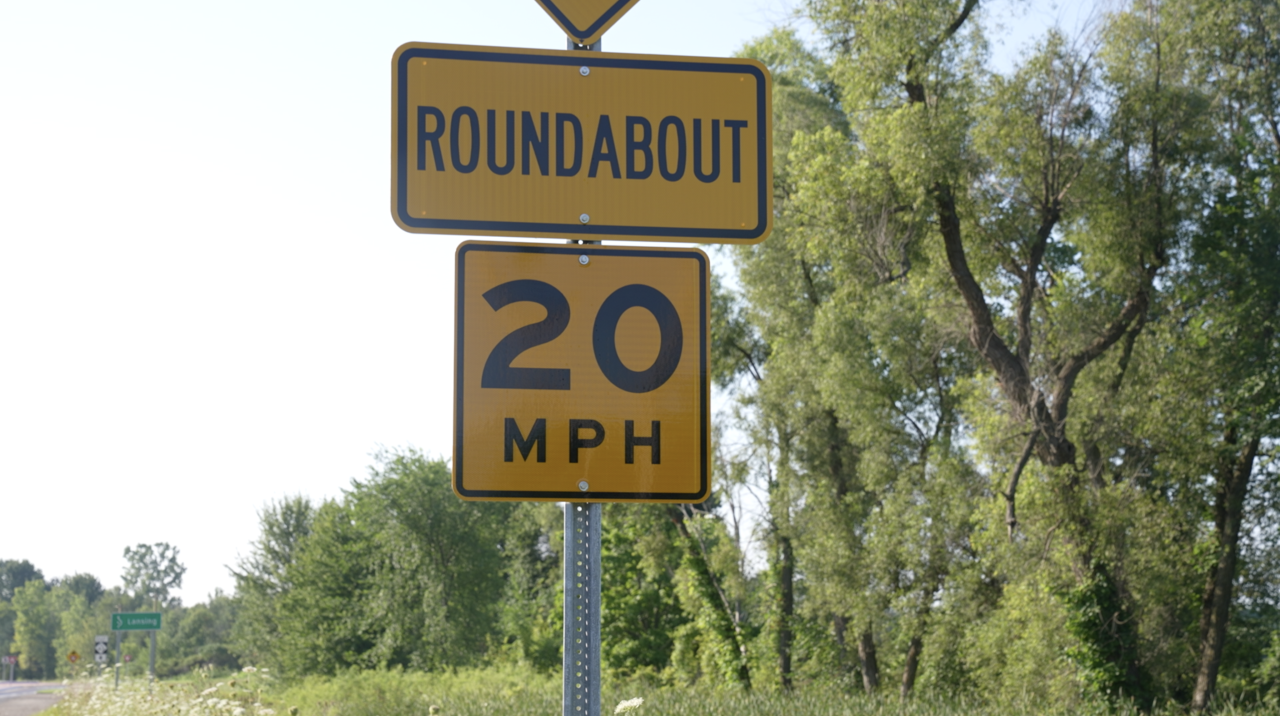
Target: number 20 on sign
(581, 373)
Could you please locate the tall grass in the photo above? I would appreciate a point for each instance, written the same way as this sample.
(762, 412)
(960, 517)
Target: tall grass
(515, 692)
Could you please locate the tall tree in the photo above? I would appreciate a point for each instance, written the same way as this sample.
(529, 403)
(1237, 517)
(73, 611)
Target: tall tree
(84, 584)
(151, 571)
(263, 577)
(35, 626)
(1232, 304)
(15, 573)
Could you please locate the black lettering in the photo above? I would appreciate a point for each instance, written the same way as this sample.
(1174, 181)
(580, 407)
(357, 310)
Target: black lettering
(639, 145)
(498, 372)
(736, 144)
(455, 148)
(512, 438)
(562, 119)
(654, 441)
(530, 137)
(604, 338)
(604, 141)
(492, 138)
(576, 442)
(697, 151)
(663, 168)
(433, 136)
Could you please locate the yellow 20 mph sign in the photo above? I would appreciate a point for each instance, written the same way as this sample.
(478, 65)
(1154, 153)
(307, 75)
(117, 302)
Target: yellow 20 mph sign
(581, 373)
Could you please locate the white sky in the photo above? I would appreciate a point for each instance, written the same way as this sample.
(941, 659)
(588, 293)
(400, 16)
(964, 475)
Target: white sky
(204, 302)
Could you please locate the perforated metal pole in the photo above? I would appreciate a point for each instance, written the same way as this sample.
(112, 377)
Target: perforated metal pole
(582, 585)
(581, 609)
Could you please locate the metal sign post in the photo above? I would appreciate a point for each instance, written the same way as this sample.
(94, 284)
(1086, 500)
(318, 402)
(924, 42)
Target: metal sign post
(582, 679)
(151, 670)
(579, 421)
(136, 621)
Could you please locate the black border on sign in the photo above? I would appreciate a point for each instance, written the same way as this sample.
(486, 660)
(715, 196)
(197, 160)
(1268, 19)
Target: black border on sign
(591, 29)
(591, 495)
(590, 59)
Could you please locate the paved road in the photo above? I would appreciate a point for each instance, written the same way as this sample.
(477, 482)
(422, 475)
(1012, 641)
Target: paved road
(23, 698)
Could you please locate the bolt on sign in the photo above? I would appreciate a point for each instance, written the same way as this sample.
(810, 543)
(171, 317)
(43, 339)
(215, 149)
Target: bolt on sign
(585, 145)
(581, 372)
(584, 21)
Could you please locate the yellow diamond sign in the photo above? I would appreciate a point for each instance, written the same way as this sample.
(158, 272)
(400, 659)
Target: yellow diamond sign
(584, 21)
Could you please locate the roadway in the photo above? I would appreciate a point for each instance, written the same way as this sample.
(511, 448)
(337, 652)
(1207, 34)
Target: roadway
(23, 698)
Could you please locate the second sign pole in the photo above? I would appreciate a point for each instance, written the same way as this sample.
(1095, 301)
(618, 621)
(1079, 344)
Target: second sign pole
(582, 677)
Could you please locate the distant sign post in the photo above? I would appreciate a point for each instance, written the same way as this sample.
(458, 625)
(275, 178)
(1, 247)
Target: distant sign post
(12, 662)
(581, 145)
(100, 648)
(138, 621)
(581, 373)
(73, 657)
(584, 21)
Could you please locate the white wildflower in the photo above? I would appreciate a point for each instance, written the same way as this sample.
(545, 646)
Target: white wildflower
(248, 669)
(266, 712)
(210, 690)
(237, 712)
(629, 705)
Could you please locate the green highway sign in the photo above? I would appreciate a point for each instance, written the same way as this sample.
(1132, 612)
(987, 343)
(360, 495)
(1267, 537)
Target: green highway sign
(135, 621)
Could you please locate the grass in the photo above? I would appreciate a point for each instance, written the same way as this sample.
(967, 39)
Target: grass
(507, 692)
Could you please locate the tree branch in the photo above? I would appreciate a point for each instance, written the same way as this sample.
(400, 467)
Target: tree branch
(1011, 494)
(1070, 369)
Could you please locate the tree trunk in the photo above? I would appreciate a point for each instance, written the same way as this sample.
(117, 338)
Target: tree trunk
(912, 665)
(870, 668)
(786, 607)
(1228, 514)
(839, 625)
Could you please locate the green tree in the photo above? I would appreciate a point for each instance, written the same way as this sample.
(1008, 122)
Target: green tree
(35, 626)
(200, 636)
(1233, 298)
(321, 620)
(15, 573)
(6, 625)
(151, 571)
(75, 627)
(262, 578)
(531, 612)
(84, 584)
(398, 573)
(439, 565)
(640, 610)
